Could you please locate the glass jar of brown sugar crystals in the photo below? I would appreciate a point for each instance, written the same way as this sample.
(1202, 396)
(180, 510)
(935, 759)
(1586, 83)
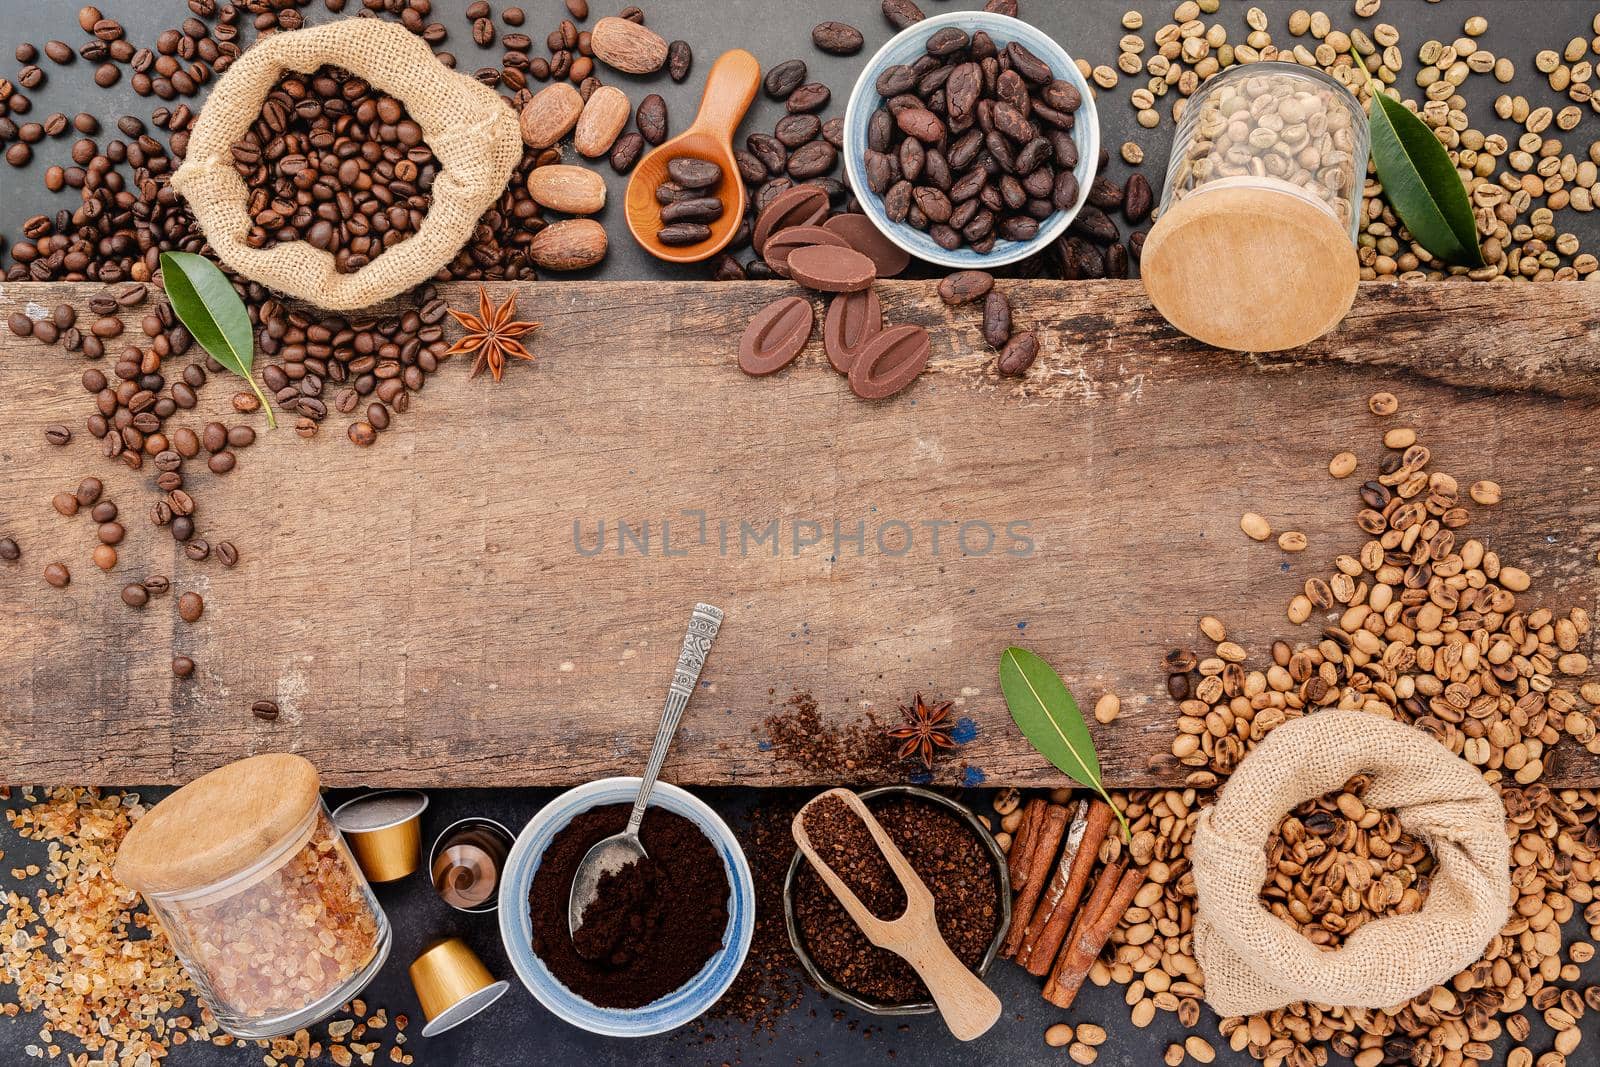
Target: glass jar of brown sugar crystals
(259, 895)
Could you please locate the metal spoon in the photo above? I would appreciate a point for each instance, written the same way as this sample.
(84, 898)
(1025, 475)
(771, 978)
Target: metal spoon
(619, 850)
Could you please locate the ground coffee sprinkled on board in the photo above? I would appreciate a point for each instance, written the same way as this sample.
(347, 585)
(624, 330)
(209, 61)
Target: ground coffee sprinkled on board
(855, 751)
(657, 923)
(959, 872)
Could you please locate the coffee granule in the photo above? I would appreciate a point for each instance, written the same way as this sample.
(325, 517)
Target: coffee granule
(657, 922)
(959, 872)
(842, 841)
(857, 751)
(768, 987)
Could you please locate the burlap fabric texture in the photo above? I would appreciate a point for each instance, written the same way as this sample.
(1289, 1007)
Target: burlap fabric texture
(470, 129)
(1254, 961)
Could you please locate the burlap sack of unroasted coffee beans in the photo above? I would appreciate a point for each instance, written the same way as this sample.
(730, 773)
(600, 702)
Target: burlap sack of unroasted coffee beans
(1254, 961)
(470, 129)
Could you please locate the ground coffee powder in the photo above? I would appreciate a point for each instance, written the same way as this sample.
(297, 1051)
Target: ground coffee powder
(654, 924)
(949, 857)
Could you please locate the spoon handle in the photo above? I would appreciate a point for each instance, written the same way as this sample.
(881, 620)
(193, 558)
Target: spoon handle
(703, 627)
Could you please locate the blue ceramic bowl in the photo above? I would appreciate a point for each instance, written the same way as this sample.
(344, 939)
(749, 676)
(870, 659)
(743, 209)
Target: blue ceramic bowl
(672, 1010)
(906, 47)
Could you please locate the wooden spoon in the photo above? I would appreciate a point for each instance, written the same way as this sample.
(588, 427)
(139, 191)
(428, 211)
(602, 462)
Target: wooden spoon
(969, 1007)
(730, 87)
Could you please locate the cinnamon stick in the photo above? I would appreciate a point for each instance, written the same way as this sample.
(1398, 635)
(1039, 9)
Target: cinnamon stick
(1089, 936)
(1045, 839)
(1059, 905)
(1021, 855)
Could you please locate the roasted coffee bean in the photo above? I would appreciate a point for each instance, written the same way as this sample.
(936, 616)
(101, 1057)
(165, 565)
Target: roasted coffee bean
(190, 607)
(776, 336)
(227, 554)
(965, 286)
(812, 96)
(889, 362)
(182, 528)
(57, 574)
(104, 511)
(89, 491)
(837, 38)
(626, 152)
(680, 234)
(1137, 199)
(9, 549)
(182, 666)
(651, 118)
(198, 549)
(265, 710)
(785, 78)
(996, 319)
(157, 585)
(222, 462)
(134, 595)
(57, 434)
(20, 324)
(65, 504)
(902, 13)
(679, 58)
(1018, 354)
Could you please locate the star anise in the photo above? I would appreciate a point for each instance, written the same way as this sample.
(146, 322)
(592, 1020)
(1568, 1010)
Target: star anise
(492, 335)
(927, 729)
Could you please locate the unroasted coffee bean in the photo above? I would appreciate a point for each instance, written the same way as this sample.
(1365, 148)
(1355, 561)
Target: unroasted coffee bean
(679, 58)
(679, 234)
(785, 78)
(692, 173)
(837, 38)
(996, 319)
(902, 13)
(889, 362)
(965, 286)
(776, 336)
(651, 119)
(1018, 355)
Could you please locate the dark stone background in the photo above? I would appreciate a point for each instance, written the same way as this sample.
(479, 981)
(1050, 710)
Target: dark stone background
(517, 1030)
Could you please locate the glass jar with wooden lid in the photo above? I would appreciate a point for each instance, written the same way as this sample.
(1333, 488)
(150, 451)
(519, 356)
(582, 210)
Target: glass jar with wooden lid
(261, 899)
(1254, 246)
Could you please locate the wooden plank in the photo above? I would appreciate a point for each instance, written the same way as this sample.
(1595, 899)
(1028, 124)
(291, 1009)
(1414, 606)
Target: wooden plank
(422, 614)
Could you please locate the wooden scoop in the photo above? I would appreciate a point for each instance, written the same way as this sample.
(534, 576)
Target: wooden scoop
(730, 87)
(969, 1007)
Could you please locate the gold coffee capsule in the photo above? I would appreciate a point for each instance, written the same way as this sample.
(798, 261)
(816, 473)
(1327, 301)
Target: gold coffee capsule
(384, 830)
(452, 985)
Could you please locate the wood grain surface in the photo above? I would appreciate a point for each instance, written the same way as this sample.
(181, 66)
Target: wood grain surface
(422, 614)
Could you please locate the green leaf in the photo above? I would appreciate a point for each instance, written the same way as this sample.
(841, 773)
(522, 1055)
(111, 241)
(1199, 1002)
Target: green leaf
(206, 304)
(1420, 182)
(1043, 709)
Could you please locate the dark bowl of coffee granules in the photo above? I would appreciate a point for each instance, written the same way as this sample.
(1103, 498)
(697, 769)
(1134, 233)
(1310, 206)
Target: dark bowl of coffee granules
(964, 869)
(665, 938)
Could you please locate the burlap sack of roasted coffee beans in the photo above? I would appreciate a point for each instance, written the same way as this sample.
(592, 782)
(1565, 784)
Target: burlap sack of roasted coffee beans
(1254, 961)
(470, 130)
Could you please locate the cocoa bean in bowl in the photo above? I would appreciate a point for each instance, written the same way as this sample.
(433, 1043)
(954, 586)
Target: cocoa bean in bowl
(957, 859)
(970, 139)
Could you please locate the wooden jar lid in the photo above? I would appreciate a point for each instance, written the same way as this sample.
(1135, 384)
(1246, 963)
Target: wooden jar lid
(219, 824)
(1250, 269)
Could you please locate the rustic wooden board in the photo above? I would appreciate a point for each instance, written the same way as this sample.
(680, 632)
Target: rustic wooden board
(420, 611)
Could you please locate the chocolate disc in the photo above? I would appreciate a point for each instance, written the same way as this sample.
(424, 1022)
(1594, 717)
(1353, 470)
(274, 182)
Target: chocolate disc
(804, 205)
(889, 362)
(775, 336)
(831, 269)
(853, 320)
(779, 245)
(859, 232)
